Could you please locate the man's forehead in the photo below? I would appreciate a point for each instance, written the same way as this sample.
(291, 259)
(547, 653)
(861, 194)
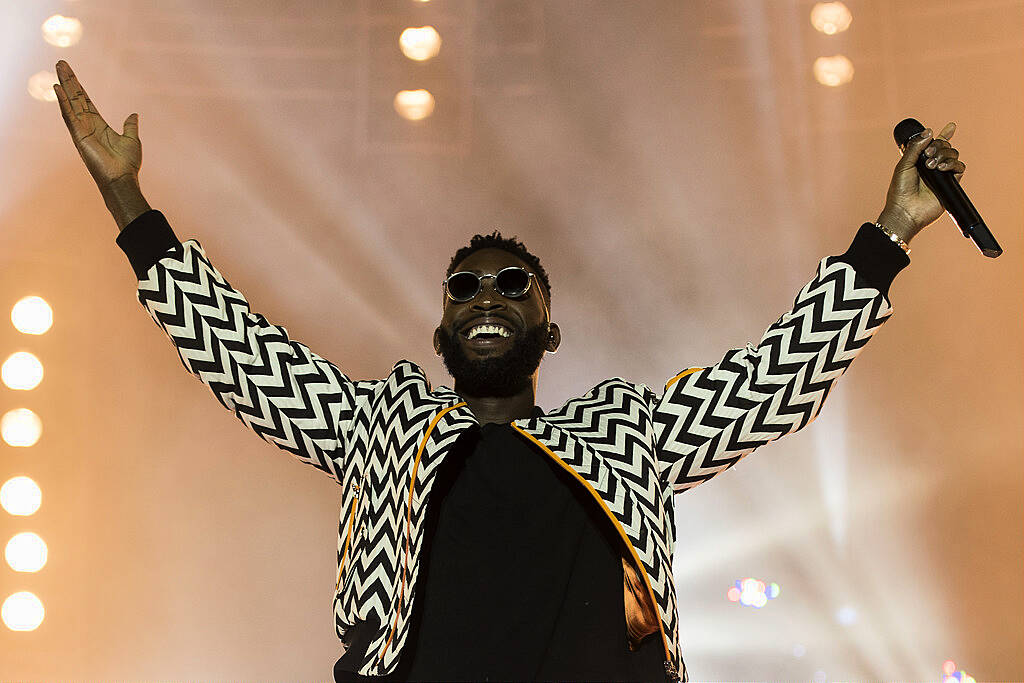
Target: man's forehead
(489, 260)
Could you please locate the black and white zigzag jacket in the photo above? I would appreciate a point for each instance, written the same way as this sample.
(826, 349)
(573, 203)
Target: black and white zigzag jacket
(383, 440)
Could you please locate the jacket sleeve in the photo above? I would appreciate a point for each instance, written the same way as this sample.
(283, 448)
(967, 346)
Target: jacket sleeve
(276, 386)
(710, 417)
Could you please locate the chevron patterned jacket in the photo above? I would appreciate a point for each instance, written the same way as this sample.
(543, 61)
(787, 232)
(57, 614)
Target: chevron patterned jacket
(383, 440)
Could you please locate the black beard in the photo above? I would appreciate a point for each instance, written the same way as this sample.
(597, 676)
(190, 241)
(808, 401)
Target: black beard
(500, 376)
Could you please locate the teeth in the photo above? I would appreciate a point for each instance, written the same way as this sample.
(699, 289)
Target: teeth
(492, 329)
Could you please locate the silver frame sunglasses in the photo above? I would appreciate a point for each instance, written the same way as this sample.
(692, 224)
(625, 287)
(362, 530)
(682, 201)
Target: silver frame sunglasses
(480, 284)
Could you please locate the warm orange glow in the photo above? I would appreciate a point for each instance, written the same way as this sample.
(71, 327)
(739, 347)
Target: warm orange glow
(420, 44)
(62, 31)
(32, 315)
(833, 71)
(20, 496)
(414, 105)
(21, 427)
(25, 552)
(831, 17)
(22, 370)
(22, 612)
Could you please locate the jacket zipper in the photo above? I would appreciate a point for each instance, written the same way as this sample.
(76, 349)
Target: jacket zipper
(670, 668)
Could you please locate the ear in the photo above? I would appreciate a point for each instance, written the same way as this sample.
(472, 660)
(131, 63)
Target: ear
(554, 338)
(437, 341)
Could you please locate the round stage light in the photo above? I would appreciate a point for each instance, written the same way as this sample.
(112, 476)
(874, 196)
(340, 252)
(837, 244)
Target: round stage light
(949, 667)
(833, 71)
(32, 315)
(22, 612)
(831, 17)
(25, 552)
(414, 105)
(20, 496)
(62, 31)
(733, 594)
(420, 44)
(22, 370)
(21, 427)
(40, 86)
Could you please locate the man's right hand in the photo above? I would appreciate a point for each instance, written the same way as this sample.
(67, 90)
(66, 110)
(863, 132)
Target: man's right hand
(108, 156)
(113, 160)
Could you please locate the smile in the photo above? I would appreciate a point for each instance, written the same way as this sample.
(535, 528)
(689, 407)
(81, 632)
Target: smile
(488, 331)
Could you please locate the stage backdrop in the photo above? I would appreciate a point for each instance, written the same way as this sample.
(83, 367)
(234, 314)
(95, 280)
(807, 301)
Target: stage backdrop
(680, 172)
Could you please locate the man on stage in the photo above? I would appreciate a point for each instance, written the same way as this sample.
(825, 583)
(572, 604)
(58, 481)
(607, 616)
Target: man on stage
(481, 538)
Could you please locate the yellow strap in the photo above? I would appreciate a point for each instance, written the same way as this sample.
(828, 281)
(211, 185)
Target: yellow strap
(681, 375)
(408, 518)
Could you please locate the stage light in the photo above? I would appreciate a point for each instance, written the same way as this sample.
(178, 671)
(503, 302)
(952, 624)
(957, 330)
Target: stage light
(420, 44)
(62, 31)
(21, 427)
(40, 86)
(22, 371)
(32, 315)
(833, 71)
(25, 552)
(948, 667)
(752, 592)
(846, 615)
(831, 17)
(22, 612)
(20, 496)
(414, 105)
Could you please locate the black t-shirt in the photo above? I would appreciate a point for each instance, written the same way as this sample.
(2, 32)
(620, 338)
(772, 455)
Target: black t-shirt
(523, 577)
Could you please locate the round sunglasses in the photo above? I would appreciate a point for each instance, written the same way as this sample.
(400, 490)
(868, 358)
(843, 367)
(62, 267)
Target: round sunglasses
(512, 282)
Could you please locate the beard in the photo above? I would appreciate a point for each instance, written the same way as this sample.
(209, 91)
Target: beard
(500, 376)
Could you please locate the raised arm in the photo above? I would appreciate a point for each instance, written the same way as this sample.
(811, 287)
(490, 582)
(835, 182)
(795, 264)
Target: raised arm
(710, 417)
(276, 386)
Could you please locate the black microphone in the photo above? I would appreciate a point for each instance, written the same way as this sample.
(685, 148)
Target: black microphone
(947, 189)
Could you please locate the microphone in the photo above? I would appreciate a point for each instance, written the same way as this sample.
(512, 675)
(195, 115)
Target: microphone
(947, 189)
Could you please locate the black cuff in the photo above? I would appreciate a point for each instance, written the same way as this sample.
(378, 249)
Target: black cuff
(875, 257)
(146, 240)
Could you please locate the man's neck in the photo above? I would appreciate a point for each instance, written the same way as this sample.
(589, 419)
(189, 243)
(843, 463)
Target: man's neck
(502, 409)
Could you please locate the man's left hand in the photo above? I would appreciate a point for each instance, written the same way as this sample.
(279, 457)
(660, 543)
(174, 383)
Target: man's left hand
(909, 204)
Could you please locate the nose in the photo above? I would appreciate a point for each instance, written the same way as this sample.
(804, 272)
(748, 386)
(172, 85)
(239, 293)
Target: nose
(486, 303)
(487, 299)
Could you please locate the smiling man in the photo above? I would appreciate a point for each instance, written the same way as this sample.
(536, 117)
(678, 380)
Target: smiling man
(496, 326)
(481, 538)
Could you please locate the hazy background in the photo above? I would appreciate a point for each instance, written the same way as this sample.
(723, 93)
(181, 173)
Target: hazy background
(679, 172)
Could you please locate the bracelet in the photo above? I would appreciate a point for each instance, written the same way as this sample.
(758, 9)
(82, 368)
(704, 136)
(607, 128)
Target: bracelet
(895, 238)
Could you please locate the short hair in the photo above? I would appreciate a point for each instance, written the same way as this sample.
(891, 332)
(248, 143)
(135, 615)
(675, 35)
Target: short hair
(510, 244)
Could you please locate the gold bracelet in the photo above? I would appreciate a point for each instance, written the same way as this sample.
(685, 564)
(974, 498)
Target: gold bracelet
(895, 238)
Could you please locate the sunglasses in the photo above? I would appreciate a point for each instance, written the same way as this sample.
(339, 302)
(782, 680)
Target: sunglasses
(512, 282)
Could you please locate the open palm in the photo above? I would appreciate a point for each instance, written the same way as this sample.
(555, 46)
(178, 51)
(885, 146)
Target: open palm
(107, 155)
